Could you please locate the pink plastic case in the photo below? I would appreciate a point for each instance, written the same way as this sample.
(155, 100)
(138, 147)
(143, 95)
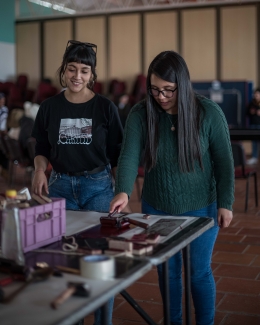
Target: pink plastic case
(43, 224)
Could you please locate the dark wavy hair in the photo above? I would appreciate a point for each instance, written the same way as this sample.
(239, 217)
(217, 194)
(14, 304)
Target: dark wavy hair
(79, 53)
(171, 67)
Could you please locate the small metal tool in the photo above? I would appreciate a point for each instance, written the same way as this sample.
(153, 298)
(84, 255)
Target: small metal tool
(38, 275)
(121, 221)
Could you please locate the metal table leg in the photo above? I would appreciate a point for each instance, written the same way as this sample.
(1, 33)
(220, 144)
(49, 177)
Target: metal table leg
(166, 293)
(137, 308)
(186, 259)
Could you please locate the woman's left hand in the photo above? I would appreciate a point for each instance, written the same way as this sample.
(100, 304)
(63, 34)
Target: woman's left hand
(225, 217)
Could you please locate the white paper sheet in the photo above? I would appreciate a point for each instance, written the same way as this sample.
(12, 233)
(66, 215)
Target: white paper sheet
(77, 221)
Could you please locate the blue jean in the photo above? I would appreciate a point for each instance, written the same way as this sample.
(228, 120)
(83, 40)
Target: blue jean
(255, 144)
(203, 286)
(90, 192)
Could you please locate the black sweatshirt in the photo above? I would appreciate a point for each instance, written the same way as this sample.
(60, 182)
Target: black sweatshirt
(78, 137)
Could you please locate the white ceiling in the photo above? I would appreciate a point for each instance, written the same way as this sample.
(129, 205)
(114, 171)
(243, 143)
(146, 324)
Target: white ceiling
(90, 7)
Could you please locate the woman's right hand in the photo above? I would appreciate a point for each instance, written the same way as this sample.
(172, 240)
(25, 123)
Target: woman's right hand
(119, 202)
(40, 183)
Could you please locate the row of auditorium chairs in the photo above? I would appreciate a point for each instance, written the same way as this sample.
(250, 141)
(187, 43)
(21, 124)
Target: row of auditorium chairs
(118, 87)
(17, 92)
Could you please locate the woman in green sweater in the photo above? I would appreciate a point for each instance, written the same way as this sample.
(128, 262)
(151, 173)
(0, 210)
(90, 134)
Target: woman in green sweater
(185, 144)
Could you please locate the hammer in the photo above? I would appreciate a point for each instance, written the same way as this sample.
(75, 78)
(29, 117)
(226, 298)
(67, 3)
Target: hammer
(80, 289)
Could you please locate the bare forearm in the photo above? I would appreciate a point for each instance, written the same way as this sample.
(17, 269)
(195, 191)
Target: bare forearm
(40, 163)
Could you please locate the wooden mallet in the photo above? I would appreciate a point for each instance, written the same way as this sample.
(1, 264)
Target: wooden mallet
(80, 289)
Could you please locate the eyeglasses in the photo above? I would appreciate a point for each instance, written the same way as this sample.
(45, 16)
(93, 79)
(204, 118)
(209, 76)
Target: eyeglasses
(166, 93)
(93, 46)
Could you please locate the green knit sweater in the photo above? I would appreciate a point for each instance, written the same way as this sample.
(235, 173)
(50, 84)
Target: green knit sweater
(165, 187)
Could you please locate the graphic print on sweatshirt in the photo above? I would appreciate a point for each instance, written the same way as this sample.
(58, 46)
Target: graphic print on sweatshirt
(75, 131)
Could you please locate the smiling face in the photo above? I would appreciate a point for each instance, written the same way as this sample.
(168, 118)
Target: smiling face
(169, 105)
(77, 76)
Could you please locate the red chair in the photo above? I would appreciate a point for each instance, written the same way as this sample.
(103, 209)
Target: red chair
(15, 97)
(6, 87)
(98, 87)
(22, 82)
(116, 88)
(29, 94)
(139, 89)
(44, 91)
(242, 171)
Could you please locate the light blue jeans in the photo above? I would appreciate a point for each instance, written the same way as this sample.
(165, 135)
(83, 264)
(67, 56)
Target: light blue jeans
(203, 286)
(90, 192)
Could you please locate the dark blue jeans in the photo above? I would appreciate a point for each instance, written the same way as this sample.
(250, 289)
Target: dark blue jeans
(255, 144)
(90, 192)
(203, 286)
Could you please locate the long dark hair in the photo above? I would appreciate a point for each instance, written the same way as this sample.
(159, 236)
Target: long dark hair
(170, 66)
(80, 53)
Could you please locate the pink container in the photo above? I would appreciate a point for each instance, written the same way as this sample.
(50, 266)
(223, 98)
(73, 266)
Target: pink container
(43, 224)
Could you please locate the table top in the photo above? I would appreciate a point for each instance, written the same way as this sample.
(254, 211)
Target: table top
(32, 306)
(169, 245)
(242, 133)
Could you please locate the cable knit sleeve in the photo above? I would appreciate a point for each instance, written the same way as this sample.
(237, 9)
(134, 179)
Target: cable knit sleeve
(131, 150)
(221, 152)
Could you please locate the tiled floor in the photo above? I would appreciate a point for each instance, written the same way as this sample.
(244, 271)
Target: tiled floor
(236, 265)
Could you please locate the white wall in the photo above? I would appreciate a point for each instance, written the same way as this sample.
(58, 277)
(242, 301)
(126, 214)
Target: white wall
(7, 62)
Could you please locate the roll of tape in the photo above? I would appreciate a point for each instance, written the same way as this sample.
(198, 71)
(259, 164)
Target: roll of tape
(100, 267)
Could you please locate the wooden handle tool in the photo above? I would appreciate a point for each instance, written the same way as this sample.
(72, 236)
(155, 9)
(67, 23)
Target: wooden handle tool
(136, 223)
(46, 198)
(38, 199)
(80, 289)
(63, 297)
(41, 199)
(67, 269)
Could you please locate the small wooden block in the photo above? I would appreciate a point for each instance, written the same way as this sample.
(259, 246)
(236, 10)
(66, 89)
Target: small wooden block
(123, 245)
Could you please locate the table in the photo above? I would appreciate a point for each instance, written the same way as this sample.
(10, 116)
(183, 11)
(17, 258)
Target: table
(165, 250)
(128, 271)
(172, 244)
(240, 134)
(32, 306)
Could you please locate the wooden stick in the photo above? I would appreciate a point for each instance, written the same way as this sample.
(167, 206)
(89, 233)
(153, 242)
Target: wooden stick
(46, 198)
(67, 269)
(23, 205)
(38, 199)
(137, 223)
(63, 296)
